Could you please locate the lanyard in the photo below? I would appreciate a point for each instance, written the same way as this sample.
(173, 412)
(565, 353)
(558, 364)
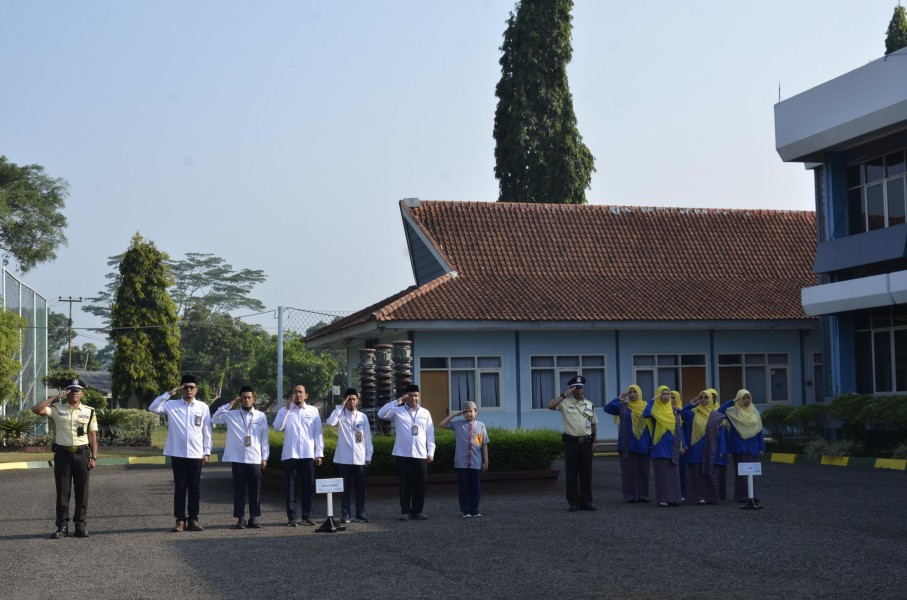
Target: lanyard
(248, 427)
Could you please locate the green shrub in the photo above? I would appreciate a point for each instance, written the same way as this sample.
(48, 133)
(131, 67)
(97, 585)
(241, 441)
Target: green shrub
(126, 426)
(851, 410)
(775, 420)
(816, 448)
(809, 419)
(508, 450)
(17, 429)
(94, 399)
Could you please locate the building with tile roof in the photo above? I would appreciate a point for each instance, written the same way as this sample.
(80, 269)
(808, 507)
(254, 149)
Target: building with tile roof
(512, 300)
(851, 132)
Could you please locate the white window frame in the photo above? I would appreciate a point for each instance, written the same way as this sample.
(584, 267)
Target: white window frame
(477, 371)
(767, 366)
(678, 366)
(560, 371)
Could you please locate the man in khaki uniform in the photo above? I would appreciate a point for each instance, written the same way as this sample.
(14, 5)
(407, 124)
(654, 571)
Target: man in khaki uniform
(75, 451)
(580, 430)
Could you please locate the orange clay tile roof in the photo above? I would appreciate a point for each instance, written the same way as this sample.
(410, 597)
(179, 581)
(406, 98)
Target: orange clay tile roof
(555, 262)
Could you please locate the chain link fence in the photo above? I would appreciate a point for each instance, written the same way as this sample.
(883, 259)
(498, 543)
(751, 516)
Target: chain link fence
(32, 353)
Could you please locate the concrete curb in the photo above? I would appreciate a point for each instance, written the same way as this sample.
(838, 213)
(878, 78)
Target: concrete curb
(116, 461)
(858, 462)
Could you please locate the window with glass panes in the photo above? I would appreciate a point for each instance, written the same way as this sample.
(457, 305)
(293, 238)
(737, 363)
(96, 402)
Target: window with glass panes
(876, 195)
(469, 378)
(765, 375)
(684, 373)
(880, 349)
(549, 376)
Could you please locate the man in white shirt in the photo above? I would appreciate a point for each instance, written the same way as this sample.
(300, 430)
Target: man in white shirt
(353, 453)
(247, 449)
(414, 449)
(188, 446)
(303, 449)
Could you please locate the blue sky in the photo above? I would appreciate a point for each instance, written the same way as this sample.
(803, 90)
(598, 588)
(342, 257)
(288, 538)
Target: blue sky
(280, 135)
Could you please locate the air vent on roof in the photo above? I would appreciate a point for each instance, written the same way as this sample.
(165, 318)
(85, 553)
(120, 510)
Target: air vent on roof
(412, 202)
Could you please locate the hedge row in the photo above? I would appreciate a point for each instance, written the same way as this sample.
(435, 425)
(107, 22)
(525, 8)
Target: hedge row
(877, 424)
(521, 450)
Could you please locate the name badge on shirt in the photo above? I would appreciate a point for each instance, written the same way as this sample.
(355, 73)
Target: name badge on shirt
(358, 437)
(247, 440)
(415, 430)
(198, 420)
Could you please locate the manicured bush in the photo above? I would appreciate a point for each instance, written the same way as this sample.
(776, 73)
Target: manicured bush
(809, 419)
(775, 421)
(508, 450)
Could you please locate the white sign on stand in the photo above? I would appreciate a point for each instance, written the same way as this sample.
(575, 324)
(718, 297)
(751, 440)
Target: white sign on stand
(330, 487)
(749, 469)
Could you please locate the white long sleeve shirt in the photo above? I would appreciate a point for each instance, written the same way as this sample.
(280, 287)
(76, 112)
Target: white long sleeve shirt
(188, 426)
(420, 444)
(349, 451)
(240, 425)
(302, 436)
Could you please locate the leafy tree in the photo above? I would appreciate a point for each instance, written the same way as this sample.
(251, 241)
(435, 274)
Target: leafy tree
(897, 31)
(199, 280)
(104, 357)
(219, 349)
(84, 357)
(539, 153)
(206, 280)
(61, 378)
(143, 323)
(314, 370)
(11, 326)
(31, 221)
(58, 326)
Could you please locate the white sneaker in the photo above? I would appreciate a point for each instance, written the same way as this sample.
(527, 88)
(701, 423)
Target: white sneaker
(467, 516)
(477, 515)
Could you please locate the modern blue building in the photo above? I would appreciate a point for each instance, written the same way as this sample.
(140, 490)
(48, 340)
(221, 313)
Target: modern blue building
(851, 133)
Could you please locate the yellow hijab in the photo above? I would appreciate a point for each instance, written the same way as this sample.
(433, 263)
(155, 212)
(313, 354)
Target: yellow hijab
(636, 408)
(746, 420)
(701, 417)
(663, 413)
(713, 394)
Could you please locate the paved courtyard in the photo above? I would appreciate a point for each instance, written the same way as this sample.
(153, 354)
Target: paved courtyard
(826, 532)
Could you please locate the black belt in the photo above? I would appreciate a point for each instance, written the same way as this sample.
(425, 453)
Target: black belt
(578, 438)
(70, 449)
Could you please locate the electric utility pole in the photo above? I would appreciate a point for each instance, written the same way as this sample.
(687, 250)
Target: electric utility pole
(70, 300)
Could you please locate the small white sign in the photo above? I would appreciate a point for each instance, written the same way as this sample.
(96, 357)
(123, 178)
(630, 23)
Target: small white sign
(751, 468)
(329, 486)
(335, 390)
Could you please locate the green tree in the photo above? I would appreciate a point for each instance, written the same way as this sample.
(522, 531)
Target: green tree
(208, 281)
(60, 378)
(315, 370)
(219, 349)
(84, 357)
(144, 325)
(199, 280)
(31, 218)
(897, 31)
(57, 333)
(11, 326)
(539, 153)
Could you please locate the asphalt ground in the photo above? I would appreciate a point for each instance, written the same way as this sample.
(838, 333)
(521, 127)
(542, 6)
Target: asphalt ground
(825, 532)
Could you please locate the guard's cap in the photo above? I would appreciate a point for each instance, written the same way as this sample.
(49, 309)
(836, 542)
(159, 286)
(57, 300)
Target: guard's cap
(578, 381)
(75, 385)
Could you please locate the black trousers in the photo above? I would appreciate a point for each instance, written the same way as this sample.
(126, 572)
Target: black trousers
(413, 475)
(71, 473)
(578, 467)
(187, 475)
(352, 474)
(300, 477)
(246, 480)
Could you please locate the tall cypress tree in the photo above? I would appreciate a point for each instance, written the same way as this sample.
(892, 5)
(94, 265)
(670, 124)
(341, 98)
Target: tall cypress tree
(144, 325)
(539, 153)
(897, 31)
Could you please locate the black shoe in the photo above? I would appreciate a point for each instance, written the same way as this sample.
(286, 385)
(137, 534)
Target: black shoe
(573, 508)
(81, 532)
(345, 519)
(293, 524)
(404, 516)
(644, 500)
(179, 527)
(307, 522)
(362, 519)
(587, 506)
(240, 524)
(633, 501)
(419, 517)
(253, 523)
(60, 533)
